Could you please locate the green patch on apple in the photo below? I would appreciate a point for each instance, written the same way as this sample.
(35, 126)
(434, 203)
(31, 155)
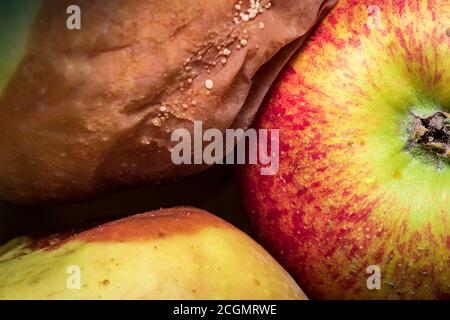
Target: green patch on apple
(16, 19)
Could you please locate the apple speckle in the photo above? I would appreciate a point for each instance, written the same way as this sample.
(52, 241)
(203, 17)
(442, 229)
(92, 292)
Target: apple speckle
(105, 282)
(209, 84)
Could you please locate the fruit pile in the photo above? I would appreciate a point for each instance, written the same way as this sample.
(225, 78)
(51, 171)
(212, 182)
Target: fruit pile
(358, 207)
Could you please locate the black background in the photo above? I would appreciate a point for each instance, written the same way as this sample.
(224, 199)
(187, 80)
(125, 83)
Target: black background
(214, 190)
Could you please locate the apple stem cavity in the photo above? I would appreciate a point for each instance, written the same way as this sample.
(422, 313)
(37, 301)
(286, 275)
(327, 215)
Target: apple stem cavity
(430, 137)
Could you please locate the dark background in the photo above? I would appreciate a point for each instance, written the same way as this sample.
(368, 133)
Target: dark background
(214, 190)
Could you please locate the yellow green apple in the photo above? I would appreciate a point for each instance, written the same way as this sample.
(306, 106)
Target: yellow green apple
(180, 253)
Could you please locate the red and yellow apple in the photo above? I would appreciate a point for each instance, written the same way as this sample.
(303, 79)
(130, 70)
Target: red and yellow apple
(180, 253)
(364, 178)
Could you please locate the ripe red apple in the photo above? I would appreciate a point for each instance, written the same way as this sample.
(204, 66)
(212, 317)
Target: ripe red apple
(179, 253)
(364, 179)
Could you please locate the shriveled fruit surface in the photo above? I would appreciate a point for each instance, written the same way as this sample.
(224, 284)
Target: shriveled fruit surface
(86, 112)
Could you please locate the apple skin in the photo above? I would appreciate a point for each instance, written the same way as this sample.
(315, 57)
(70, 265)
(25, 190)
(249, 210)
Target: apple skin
(347, 195)
(180, 253)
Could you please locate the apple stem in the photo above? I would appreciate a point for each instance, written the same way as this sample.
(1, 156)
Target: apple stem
(431, 134)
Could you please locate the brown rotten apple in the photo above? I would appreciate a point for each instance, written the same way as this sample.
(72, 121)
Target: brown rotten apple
(180, 253)
(360, 207)
(83, 112)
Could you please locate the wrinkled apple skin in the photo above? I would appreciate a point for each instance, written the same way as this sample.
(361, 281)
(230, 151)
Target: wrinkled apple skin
(348, 195)
(180, 253)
